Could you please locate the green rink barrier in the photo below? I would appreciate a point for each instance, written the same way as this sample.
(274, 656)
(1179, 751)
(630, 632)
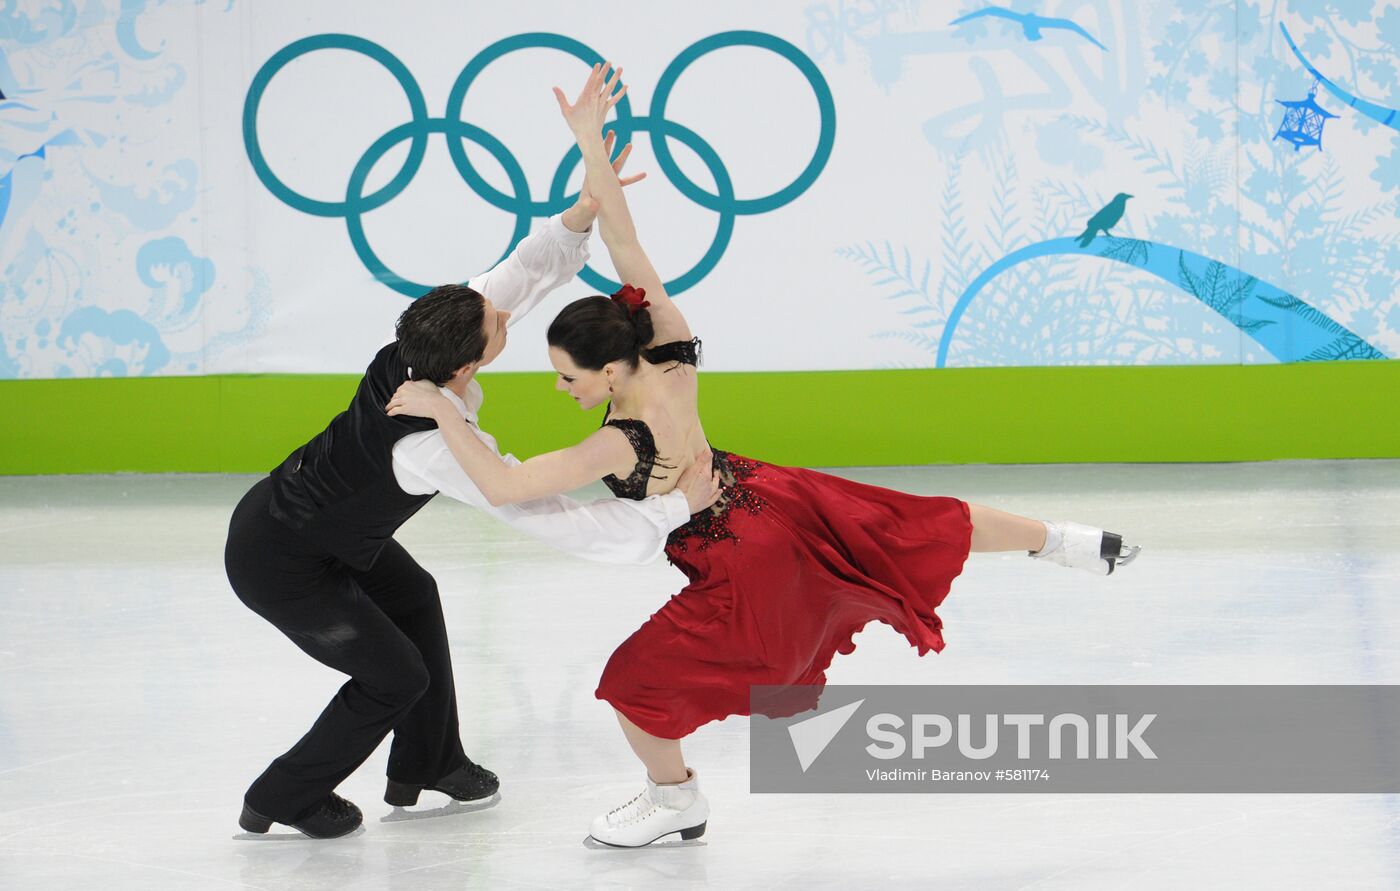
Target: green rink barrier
(248, 423)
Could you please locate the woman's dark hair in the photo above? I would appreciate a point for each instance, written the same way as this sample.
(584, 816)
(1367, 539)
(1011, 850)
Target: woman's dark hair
(441, 331)
(597, 330)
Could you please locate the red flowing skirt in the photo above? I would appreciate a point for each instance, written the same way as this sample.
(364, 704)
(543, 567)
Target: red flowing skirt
(782, 575)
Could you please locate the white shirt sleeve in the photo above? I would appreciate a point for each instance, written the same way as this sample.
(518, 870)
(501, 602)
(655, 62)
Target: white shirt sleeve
(608, 530)
(542, 261)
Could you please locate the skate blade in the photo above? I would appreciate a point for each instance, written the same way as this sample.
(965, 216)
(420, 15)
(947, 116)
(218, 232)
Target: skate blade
(1113, 553)
(673, 840)
(451, 809)
(1130, 554)
(292, 835)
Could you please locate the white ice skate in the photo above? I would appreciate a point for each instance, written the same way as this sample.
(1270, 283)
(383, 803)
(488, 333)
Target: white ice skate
(1084, 547)
(656, 812)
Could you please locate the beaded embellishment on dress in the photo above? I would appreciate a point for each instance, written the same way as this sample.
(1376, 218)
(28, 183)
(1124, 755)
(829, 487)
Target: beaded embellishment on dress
(712, 525)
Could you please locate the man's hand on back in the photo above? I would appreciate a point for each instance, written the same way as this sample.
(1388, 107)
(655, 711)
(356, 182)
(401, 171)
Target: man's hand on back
(700, 484)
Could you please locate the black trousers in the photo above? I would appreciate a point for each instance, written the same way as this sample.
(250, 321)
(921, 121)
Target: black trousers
(382, 627)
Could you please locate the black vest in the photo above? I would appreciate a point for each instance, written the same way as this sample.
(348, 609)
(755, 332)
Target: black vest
(338, 491)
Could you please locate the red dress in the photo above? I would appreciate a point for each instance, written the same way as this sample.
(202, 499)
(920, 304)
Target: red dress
(783, 572)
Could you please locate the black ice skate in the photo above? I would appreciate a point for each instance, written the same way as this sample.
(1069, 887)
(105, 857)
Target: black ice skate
(330, 818)
(470, 782)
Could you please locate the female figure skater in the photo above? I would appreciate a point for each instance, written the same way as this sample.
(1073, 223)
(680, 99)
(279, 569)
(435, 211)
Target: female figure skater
(783, 570)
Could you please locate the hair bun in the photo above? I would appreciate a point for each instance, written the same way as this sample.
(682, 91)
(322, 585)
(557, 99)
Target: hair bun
(600, 329)
(642, 324)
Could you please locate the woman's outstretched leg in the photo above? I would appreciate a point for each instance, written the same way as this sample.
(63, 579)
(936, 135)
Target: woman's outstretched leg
(671, 802)
(1068, 544)
(996, 530)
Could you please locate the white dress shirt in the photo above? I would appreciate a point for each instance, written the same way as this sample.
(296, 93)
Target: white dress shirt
(609, 530)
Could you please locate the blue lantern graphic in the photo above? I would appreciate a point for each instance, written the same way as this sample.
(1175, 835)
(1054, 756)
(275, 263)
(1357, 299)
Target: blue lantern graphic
(1303, 121)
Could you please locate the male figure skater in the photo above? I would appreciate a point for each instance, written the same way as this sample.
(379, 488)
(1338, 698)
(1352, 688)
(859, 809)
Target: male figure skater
(311, 548)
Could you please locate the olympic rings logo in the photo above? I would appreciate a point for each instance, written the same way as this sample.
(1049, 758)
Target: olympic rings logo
(525, 208)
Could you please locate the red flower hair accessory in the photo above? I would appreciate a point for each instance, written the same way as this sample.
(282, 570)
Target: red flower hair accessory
(632, 298)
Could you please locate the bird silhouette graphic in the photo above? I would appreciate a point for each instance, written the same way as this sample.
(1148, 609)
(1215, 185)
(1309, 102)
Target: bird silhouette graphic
(1031, 24)
(1105, 219)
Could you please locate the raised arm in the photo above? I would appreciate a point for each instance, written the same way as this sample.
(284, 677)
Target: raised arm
(549, 257)
(544, 260)
(585, 118)
(606, 451)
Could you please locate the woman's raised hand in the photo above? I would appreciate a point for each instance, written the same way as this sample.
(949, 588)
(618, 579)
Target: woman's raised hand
(599, 94)
(419, 399)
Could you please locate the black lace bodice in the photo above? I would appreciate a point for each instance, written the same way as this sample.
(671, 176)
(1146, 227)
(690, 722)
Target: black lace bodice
(639, 434)
(644, 444)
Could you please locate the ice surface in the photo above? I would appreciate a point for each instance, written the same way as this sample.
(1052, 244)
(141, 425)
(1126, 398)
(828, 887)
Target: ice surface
(138, 697)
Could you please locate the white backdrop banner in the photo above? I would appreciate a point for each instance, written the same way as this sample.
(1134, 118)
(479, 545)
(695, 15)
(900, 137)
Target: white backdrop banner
(254, 186)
